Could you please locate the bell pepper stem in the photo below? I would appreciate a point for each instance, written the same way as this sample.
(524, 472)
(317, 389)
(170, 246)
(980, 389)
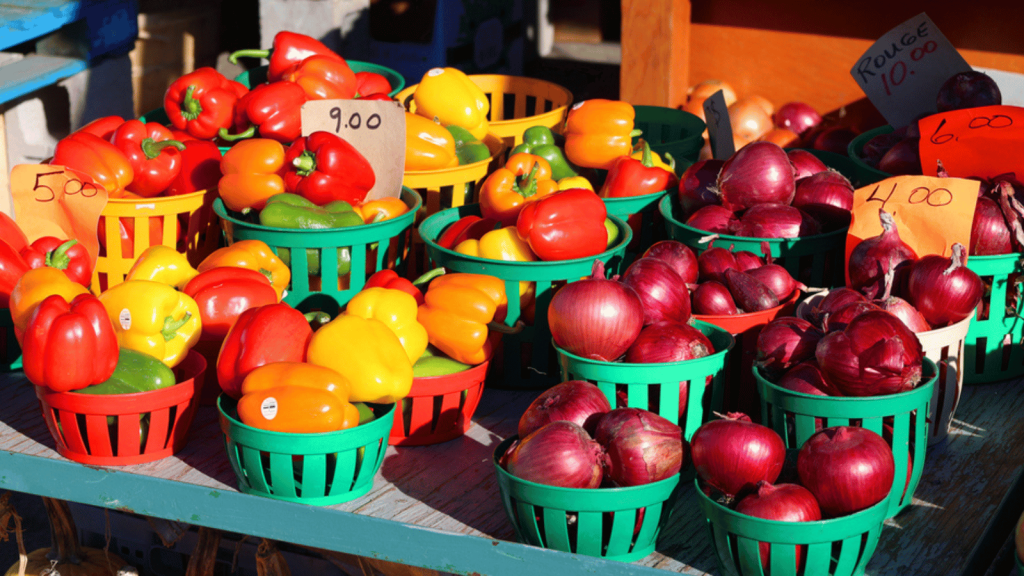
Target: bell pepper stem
(636, 133)
(428, 276)
(528, 186)
(249, 53)
(647, 159)
(305, 163)
(268, 274)
(503, 329)
(59, 258)
(151, 148)
(171, 326)
(318, 318)
(190, 107)
(671, 161)
(249, 133)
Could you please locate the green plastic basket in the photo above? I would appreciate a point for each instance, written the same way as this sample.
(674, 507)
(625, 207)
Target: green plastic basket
(993, 349)
(660, 388)
(318, 469)
(1019, 564)
(256, 76)
(526, 360)
(793, 416)
(10, 350)
(641, 213)
(866, 173)
(679, 133)
(371, 247)
(836, 547)
(613, 523)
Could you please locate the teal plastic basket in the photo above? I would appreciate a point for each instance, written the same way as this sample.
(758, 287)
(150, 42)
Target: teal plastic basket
(993, 350)
(643, 217)
(793, 415)
(612, 523)
(866, 173)
(257, 76)
(370, 248)
(836, 547)
(678, 133)
(526, 359)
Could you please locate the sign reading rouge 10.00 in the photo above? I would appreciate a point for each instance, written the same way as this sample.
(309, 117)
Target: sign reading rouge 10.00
(902, 72)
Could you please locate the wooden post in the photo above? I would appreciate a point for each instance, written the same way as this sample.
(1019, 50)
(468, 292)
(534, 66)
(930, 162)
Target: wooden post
(655, 52)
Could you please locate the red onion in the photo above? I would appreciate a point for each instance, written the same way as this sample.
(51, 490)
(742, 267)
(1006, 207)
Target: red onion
(750, 293)
(678, 256)
(989, 233)
(907, 314)
(782, 503)
(784, 342)
(713, 262)
(806, 378)
(829, 188)
(668, 342)
(835, 140)
(558, 454)
(1012, 212)
(872, 258)
(875, 355)
(696, 185)
(733, 454)
(847, 469)
(832, 302)
(662, 292)
(968, 90)
(712, 219)
(747, 261)
(642, 447)
(778, 279)
(804, 163)
(829, 218)
(576, 401)
(713, 299)
(771, 221)
(758, 173)
(944, 290)
(902, 158)
(595, 318)
(875, 148)
(797, 116)
(838, 321)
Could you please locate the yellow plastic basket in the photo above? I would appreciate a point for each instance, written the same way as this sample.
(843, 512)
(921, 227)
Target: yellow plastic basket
(185, 223)
(516, 104)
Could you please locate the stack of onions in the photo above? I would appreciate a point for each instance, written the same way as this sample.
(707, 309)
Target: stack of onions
(731, 283)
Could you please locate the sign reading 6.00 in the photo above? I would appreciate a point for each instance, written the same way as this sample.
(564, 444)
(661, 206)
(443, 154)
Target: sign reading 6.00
(983, 141)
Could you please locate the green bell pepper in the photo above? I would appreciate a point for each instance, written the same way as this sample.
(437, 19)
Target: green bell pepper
(468, 149)
(135, 372)
(313, 260)
(294, 211)
(540, 141)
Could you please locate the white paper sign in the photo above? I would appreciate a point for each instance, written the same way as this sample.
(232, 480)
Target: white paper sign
(716, 114)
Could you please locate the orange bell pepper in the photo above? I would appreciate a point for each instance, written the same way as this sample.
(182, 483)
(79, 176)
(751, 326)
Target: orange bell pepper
(254, 255)
(34, 286)
(296, 409)
(525, 178)
(598, 132)
(96, 157)
(456, 311)
(253, 171)
(296, 374)
(380, 210)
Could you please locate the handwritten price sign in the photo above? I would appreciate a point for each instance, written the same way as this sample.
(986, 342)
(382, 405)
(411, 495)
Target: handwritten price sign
(375, 128)
(985, 142)
(57, 201)
(719, 126)
(931, 214)
(901, 73)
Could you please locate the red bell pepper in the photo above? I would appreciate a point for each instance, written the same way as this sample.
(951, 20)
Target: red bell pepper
(378, 96)
(465, 228)
(272, 333)
(275, 109)
(370, 83)
(202, 102)
(69, 346)
(200, 168)
(103, 127)
(96, 158)
(11, 233)
(182, 136)
(67, 255)
(632, 177)
(153, 154)
(565, 225)
(324, 167)
(323, 78)
(391, 280)
(289, 49)
(224, 293)
(12, 268)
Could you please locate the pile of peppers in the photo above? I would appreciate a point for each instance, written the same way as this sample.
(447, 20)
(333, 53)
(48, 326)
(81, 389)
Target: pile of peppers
(449, 122)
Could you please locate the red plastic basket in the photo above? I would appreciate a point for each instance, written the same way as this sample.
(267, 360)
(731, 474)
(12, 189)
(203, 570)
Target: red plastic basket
(113, 430)
(438, 408)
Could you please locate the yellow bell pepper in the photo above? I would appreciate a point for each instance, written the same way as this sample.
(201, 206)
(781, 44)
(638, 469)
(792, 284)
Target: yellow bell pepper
(34, 287)
(450, 96)
(381, 210)
(428, 145)
(502, 244)
(655, 158)
(254, 255)
(456, 311)
(397, 310)
(575, 182)
(368, 354)
(163, 264)
(154, 319)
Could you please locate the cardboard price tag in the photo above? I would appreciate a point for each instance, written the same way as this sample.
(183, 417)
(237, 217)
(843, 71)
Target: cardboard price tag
(57, 201)
(375, 128)
(931, 214)
(902, 72)
(984, 142)
(719, 126)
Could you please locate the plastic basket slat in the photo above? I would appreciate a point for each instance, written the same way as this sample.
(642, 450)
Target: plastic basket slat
(849, 554)
(650, 526)
(314, 475)
(723, 546)
(527, 524)
(344, 470)
(255, 475)
(621, 534)
(818, 554)
(99, 438)
(589, 523)
(783, 558)
(449, 416)
(282, 475)
(749, 551)
(556, 531)
(128, 430)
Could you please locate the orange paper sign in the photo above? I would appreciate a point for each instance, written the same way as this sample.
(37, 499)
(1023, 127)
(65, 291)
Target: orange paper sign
(57, 201)
(931, 214)
(984, 142)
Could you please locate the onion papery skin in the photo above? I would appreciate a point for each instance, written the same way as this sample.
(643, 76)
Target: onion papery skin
(758, 173)
(778, 280)
(697, 184)
(806, 378)
(944, 290)
(595, 318)
(750, 294)
(872, 257)
(782, 503)
(833, 301)
(847, 469)
(989, 233)
(662, 292)
(576, 401)
(749, 119)
(785, 342)
(642, 447)
(838, 321)
(829, 188)
(713, 299)
(733, 454)
(713, 262)
(875, 355)
(677, 255)
(712, 219)
(804, 164)
(747, 261)
(968, 90)
(797, 116)
(771, 221)
(903, 158)
(559, 454)
(668, 342)
(907, 314)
